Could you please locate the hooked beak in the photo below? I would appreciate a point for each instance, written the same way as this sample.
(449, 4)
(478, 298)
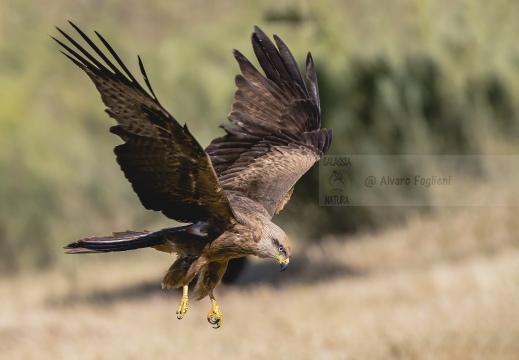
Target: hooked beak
(284, 264)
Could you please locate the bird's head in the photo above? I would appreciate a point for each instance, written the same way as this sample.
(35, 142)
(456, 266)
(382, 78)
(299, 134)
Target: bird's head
(275, 244)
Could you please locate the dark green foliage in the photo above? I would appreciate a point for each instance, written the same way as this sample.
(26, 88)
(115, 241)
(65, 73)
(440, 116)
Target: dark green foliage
(490, 92)
(379, 108)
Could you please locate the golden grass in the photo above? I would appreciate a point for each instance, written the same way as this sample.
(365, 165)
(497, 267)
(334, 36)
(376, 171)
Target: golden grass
(441, 287)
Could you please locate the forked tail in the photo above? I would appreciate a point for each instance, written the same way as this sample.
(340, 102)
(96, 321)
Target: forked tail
(120, 241)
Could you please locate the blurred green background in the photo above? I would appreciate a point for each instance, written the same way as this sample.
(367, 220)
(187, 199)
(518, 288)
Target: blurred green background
(396, 77)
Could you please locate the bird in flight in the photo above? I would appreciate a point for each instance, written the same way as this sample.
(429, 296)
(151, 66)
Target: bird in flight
(227, 193)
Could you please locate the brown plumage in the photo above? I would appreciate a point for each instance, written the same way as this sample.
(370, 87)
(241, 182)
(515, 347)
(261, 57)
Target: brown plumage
(227, 193)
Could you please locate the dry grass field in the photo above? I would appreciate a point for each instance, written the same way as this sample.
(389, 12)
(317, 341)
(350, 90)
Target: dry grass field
(442, 286)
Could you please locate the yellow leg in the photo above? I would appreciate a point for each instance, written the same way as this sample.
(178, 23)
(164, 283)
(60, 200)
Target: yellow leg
(215, 315)
(184, 303)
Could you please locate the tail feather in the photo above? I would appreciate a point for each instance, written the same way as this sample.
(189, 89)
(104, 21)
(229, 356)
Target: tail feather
(119, 241)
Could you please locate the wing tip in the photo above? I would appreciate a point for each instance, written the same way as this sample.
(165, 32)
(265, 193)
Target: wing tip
(257, 30)
(309, 59)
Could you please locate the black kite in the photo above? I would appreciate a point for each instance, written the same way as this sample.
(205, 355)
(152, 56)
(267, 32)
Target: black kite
(227, 193)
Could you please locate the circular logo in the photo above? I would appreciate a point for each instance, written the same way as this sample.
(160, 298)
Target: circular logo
(335, 181)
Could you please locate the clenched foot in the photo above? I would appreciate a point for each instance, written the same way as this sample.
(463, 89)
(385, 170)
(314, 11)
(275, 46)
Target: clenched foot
(184, 304)
(214, 316)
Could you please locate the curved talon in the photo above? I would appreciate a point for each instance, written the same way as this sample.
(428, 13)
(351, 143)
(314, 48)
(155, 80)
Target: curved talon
(214, 317)
(216, 322)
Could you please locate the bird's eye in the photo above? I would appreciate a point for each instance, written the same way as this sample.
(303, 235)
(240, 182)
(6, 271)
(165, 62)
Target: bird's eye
(281, 249)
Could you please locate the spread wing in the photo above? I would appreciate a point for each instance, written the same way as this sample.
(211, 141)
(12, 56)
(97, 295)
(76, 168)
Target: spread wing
(274, 134)
(168, 169)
